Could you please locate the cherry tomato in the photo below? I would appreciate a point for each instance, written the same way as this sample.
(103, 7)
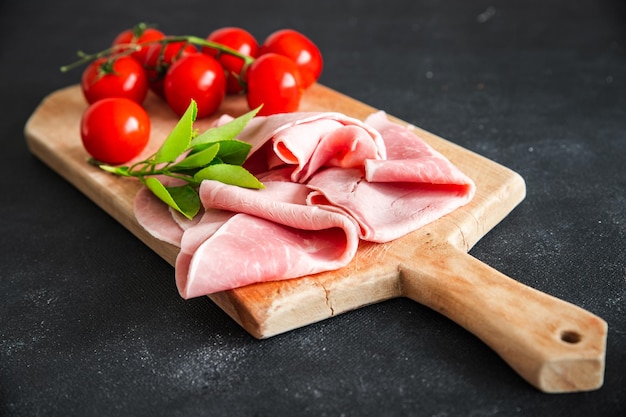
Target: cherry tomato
(138, 35)
(115, 130)
(300, 49)
(120, 77)
(199, 77)
(274, 81)
(239, 40)
(159, 59)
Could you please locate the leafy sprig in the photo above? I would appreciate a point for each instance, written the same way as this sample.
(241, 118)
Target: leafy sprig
(190, 158)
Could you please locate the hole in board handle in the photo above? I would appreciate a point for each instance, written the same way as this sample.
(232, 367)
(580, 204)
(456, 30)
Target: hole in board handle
(570, 336)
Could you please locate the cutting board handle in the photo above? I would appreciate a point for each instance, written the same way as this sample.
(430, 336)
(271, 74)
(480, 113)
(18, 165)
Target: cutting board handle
(556, 346)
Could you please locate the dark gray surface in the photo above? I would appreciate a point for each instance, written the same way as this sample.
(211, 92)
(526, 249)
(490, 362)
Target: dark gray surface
(90, 320)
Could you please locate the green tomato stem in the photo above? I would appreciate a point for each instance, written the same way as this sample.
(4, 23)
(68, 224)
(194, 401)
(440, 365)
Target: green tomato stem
(144, 169)
(127, 49)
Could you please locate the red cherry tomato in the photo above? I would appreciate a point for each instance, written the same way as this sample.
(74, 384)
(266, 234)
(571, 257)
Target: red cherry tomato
(115, 130)
(159, 59)
(199, 77)
(120, 77)
(300, 49)
(274, 81)
(138, 35)
(239, 40)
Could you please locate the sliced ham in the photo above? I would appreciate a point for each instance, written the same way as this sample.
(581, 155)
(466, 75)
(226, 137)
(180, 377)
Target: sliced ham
(395, 196)
(384, 210)
(330, 181)
(309, 141)
(161, 221)
(273, 236)
(410, 159)
(210, 221)
(156, 217)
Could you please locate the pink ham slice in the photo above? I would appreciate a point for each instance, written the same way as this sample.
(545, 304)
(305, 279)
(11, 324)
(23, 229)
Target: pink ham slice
(410, 159)
(385, 210)
(156, 217)
(273, 236)
(389, 198)
(209, 223)
(330, 181)
(309, 141)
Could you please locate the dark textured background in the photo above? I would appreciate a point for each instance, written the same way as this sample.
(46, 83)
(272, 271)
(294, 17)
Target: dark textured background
(90, 320)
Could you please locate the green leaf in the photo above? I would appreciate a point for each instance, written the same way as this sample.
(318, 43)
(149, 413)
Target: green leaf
(179, 138)
(198, 159)
(123, 171)
(234, 151)
(183, 199)
(229, 174)
(226, 131)
(187, 199)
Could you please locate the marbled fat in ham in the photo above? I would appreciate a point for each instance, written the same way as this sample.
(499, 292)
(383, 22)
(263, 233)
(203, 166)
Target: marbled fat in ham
(330, 180)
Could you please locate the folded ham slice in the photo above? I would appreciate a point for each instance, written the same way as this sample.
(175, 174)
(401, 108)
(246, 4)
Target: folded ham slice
(410, 159)
(385, 210)
(274, 235)
(330, 181)
(309, 141)
(156, 218)
(389, 198)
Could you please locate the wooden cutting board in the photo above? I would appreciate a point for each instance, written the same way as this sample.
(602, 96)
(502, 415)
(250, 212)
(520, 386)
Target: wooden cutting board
(554, 345)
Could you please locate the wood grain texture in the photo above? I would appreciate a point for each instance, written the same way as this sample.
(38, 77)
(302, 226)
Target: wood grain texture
(554, 345)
